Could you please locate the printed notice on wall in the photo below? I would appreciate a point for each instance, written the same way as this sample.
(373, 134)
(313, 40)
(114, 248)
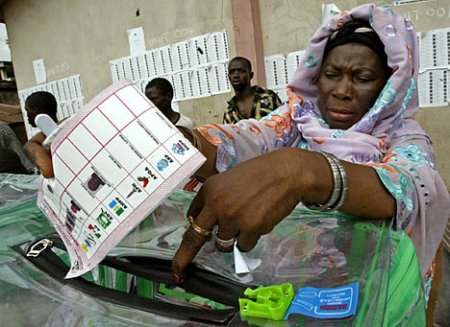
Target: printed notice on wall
(39, 71)
(114, 162)
(136, 41)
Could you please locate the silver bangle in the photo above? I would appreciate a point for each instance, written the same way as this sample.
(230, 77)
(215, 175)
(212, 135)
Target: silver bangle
(344, 186)
(336, 195)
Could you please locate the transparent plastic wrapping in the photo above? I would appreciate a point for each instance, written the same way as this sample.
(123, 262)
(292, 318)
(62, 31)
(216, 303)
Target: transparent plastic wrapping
(305, 249)
(16, 189)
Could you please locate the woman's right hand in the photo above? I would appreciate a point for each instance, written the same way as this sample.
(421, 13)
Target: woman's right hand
(247, 201)
(39, 155)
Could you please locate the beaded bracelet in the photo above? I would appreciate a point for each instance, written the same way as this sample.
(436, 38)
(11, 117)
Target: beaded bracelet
(340, 186)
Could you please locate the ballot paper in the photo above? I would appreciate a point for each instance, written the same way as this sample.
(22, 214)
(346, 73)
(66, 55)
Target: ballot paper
(114, 162)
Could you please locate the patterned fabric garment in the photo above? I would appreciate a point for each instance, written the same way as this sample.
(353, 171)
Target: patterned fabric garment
(264, 102)
(386, 138)
(10, 141)
(446, 238)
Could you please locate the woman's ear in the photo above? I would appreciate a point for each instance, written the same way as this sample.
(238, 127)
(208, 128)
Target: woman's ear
(315, 79)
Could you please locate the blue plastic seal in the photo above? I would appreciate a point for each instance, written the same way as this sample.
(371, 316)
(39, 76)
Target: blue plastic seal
(325, 303)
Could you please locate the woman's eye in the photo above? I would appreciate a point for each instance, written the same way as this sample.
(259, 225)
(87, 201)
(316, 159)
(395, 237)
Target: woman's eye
(363, 79)
(330, 74)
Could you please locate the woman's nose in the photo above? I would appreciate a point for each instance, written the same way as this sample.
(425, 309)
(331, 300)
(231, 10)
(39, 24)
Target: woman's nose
(342, 88)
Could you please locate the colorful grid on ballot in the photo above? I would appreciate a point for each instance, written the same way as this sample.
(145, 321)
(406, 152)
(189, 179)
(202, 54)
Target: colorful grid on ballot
(114, 162)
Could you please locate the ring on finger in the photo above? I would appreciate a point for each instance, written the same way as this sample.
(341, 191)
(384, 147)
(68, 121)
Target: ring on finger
(199, 230)
(224, 244)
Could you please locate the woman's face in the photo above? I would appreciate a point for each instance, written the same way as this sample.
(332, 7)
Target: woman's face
(351, 78)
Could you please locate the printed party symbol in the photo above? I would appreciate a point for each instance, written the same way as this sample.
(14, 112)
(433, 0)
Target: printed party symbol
(74, 206)
(70, 220)
(88, 242)
(164, 162)
(134, 190)
(179, 148)
(95, 182)
(96, 230)
(117, 206)
(104, 219)
(144, 180)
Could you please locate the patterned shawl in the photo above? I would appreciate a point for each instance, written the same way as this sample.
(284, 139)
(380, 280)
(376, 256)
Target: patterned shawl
(391, 115)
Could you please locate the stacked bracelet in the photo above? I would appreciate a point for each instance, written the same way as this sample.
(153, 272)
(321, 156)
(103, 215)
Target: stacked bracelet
(340, 186)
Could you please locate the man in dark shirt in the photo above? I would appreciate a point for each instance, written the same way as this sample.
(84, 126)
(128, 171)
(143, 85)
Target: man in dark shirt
(249, 101)
(41, 102)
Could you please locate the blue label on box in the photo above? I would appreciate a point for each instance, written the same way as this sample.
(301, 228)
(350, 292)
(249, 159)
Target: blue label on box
(325, 303)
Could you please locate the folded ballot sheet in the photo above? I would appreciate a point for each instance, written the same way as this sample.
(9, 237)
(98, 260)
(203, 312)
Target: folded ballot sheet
(115, 161)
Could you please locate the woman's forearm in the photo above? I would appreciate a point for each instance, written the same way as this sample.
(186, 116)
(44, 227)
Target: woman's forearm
(367, 197)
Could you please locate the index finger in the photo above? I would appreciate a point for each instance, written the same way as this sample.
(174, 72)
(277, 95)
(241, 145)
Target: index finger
(191, 243)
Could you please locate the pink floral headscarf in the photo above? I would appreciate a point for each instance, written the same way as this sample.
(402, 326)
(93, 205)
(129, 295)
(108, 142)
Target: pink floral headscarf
(392, 114)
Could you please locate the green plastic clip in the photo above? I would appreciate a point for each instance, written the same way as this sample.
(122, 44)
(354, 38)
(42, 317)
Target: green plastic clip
(271, 301)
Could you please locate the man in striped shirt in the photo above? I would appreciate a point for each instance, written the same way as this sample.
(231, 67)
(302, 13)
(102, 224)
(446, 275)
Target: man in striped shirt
(249, 101)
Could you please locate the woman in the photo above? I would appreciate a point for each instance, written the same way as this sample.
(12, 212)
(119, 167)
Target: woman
(353, 96)
(352, 99)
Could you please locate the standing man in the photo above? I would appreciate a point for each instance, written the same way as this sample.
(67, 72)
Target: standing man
(249, 101)
(160, 92)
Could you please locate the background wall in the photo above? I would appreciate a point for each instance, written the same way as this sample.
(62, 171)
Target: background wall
(82, 36)
(288, 24)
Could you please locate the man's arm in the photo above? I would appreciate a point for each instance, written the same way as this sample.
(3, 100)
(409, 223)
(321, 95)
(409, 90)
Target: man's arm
(39, 155)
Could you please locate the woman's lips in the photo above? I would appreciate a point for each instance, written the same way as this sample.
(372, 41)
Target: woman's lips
(340, 114)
